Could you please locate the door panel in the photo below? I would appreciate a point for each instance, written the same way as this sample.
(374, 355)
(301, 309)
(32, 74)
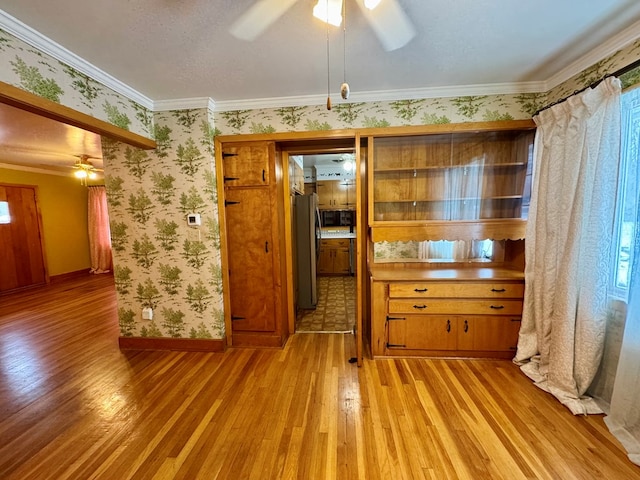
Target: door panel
(20, 241)
(246, 165)
(251, 267)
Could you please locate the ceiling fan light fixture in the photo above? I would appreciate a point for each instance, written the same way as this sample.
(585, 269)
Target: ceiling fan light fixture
(371, 4)
(329, 11)
(80, 174)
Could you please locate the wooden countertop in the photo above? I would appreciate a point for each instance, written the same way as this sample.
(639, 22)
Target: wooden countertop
(386, 273)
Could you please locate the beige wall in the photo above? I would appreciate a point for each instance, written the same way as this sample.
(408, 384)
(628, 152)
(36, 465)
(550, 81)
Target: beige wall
(63, 208)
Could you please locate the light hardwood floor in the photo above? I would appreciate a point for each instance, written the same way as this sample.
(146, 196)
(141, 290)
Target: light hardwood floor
(74, 406)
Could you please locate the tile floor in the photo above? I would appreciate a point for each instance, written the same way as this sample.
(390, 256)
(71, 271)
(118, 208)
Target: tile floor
(336, 309)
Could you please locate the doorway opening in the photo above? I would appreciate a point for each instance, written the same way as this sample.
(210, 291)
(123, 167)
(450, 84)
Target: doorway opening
(328, 303)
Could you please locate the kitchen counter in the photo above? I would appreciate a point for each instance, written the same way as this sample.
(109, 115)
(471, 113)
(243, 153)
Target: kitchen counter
(329, 233)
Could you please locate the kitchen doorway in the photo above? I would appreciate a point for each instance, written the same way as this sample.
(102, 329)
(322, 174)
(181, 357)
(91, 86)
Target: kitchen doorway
(330, 188)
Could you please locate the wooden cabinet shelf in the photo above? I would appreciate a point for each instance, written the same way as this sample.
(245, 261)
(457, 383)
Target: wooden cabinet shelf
(470, 175)
(382, 170)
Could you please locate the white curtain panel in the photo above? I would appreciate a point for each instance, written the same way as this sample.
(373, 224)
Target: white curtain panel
(568, 244)
(624, 411)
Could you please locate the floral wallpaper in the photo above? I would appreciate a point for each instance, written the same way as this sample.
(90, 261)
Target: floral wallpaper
(159, 261)
(29, 69)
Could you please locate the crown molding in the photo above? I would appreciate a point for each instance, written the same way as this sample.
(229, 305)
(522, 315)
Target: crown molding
(385, 95)
(27, 168)
(184, 104)
(37, 40)
(604, 50)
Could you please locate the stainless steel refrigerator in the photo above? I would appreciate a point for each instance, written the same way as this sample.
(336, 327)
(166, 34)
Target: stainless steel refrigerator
(308, 233)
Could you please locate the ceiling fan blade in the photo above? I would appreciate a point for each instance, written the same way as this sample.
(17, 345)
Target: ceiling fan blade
(390, 23)
(258, 18)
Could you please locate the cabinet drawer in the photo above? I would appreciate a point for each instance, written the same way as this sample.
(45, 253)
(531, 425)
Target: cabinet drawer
(335, 243)
(455, 306)
(456, 289)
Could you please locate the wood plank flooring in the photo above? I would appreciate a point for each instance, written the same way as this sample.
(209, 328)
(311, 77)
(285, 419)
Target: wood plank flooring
(72, 406)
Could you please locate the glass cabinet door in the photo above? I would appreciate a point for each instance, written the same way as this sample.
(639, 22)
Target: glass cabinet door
(453, 176)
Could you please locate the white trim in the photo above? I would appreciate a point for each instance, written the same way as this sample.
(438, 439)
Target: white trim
(604, 50)
(27, 168)
(385, 95)
(184, 104)
(37, 40)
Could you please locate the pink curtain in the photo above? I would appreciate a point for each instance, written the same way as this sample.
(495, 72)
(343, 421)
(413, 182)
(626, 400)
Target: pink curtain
(99, 233)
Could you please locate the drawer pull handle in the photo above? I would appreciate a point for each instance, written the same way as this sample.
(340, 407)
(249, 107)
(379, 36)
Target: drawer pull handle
(466, 326)
(420, 290)
(420, 306)
(497, 307)
(448, 326)
(499, 290)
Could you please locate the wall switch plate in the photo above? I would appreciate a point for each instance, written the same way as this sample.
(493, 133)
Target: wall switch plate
(147, 313)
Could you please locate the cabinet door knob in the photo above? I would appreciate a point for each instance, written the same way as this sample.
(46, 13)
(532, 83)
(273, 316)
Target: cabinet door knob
(420, 290)
(466, 326)
(448, 326)
(499, 290)
(497, 307)
(420, 306)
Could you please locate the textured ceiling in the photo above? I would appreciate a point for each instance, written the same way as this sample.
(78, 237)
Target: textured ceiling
(169, 49)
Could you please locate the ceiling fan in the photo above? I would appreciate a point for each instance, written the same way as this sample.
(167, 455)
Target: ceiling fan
(84, 169)
(387, 19)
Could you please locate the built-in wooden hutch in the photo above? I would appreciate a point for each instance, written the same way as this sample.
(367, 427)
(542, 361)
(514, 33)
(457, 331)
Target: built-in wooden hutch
(415, 189)
(466, 184)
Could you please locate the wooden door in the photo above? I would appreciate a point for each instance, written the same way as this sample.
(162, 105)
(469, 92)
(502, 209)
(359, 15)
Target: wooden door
(325, 260)
(342, 260)
(488, 333)
(422, 332)
(20, 239)
(251, 259)
(324, 189)
(340, 194)
(246, 164)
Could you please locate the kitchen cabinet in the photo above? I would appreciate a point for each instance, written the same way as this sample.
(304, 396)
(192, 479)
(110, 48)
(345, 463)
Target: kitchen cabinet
(470, 312)
(296, 177)
(336, 194)
(335, 257)
(253, 244)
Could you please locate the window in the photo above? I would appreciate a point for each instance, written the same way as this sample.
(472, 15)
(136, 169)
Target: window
(627, 201)
(4, 213)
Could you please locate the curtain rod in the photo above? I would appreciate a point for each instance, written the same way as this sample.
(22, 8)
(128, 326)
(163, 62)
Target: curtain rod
(617, 73)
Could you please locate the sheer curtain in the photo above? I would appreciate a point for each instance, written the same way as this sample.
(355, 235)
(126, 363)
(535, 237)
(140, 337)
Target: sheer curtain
(568, 244)
(99, 233)
(624, 411)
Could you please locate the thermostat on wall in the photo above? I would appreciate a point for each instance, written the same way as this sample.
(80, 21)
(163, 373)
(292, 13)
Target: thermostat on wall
(193, 219)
